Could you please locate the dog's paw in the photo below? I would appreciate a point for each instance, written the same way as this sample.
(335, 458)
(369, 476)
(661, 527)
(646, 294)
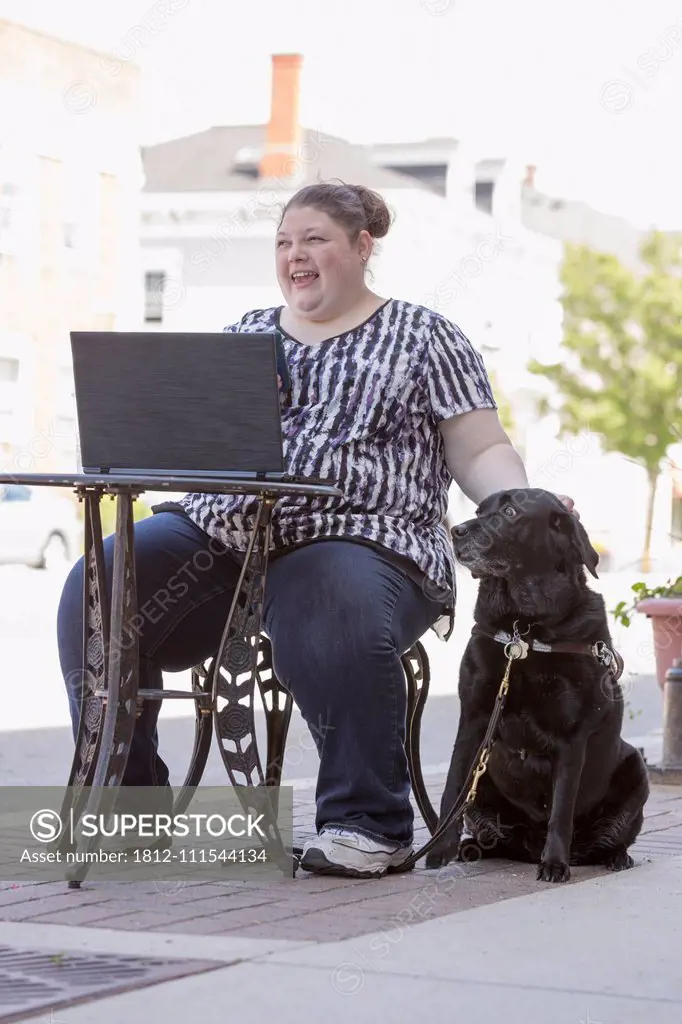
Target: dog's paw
(619, 860)
(553, 871)
(469, 851)
(442, 853)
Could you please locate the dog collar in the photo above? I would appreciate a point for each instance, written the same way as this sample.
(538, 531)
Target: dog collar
(607, 656)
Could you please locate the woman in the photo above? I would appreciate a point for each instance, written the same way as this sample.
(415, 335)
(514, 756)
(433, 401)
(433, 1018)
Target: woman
(390, 400)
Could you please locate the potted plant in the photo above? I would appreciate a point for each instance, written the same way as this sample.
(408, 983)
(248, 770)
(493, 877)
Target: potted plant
(663, 605)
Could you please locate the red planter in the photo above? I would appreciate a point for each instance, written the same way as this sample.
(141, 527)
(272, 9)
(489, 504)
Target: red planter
(666, 620)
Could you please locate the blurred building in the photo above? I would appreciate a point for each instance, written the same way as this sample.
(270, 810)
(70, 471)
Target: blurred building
(70, 178)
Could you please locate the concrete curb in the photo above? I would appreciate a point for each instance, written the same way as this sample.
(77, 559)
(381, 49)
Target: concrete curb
(665, 776)
(561, 954)
(72, 939)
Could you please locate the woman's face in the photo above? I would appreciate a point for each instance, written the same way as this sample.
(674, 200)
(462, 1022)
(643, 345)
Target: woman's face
(319, 271)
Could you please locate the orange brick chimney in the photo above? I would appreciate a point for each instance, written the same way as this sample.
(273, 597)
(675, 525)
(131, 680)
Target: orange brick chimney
(283, 137)
(529, 180)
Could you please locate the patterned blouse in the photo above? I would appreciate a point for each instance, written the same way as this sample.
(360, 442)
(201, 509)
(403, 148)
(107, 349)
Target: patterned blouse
(364, 413)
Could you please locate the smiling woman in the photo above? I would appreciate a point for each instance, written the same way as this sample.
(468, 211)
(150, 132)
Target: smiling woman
(325, 239)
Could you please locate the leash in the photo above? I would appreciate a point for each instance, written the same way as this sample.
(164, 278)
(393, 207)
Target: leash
(515, 648)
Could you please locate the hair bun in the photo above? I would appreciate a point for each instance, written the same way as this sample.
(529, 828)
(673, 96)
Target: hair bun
(376, 210)
(355, 207)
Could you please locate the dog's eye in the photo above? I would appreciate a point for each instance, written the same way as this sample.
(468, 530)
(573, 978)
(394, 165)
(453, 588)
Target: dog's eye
(509, 511)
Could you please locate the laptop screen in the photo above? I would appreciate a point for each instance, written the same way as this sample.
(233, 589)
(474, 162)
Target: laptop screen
(177, 403)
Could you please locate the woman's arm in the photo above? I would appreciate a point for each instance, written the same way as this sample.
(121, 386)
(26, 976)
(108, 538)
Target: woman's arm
(480, 456)
(482, 459)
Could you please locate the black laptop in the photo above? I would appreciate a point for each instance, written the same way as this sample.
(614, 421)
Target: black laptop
(185, 405)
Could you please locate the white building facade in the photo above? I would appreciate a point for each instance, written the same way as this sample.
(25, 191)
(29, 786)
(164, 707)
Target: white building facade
(70, 182)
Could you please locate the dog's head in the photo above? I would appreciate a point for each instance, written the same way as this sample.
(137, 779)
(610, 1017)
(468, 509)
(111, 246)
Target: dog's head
(522, 533)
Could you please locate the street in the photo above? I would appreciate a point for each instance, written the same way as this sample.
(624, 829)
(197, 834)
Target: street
(35, 734)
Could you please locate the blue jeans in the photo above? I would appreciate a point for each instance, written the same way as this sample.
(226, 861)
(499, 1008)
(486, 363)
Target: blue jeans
(338, 614)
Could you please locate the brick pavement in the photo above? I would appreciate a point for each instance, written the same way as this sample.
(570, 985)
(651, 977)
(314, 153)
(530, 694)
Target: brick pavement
(313, 908)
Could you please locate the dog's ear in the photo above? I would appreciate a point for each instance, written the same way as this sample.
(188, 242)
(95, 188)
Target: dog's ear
(576, 533)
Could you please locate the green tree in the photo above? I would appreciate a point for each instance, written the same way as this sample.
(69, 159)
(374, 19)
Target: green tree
(621, 375)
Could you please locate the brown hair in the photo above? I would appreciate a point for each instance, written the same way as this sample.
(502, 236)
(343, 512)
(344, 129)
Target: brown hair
(355, 207)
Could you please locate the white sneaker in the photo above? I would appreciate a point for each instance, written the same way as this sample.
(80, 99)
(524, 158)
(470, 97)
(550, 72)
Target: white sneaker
(340, 851)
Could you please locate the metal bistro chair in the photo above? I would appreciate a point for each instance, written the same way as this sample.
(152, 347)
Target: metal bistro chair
(236, 730)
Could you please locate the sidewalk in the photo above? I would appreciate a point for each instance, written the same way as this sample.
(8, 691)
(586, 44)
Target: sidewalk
(482, 937)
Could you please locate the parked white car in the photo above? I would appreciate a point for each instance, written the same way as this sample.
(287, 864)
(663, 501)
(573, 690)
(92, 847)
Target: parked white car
(38, 528)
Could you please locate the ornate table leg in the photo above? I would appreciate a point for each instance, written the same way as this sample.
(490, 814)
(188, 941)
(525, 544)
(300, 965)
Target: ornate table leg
(119, 694)
(416, 666)
(95, 647)
(235, 673)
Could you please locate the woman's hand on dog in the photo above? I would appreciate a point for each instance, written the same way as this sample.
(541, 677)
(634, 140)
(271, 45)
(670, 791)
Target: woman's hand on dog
(570, 504)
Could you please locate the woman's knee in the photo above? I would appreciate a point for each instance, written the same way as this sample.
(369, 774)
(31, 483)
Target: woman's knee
(318, 659)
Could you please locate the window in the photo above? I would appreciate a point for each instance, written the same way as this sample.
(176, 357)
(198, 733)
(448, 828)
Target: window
(8, 193)
(433, 175)
(154, 284)
(19, 202)
(6, 425)
(8, 216)
(80, 212)
(72, 238)
(9, 370)
(14, 175)
(484, 196)
(9, 394)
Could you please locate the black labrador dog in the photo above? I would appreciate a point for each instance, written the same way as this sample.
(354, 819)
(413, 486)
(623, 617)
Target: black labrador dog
(561, 787)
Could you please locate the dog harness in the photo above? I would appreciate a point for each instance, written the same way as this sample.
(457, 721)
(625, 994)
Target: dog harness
(607, 656)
